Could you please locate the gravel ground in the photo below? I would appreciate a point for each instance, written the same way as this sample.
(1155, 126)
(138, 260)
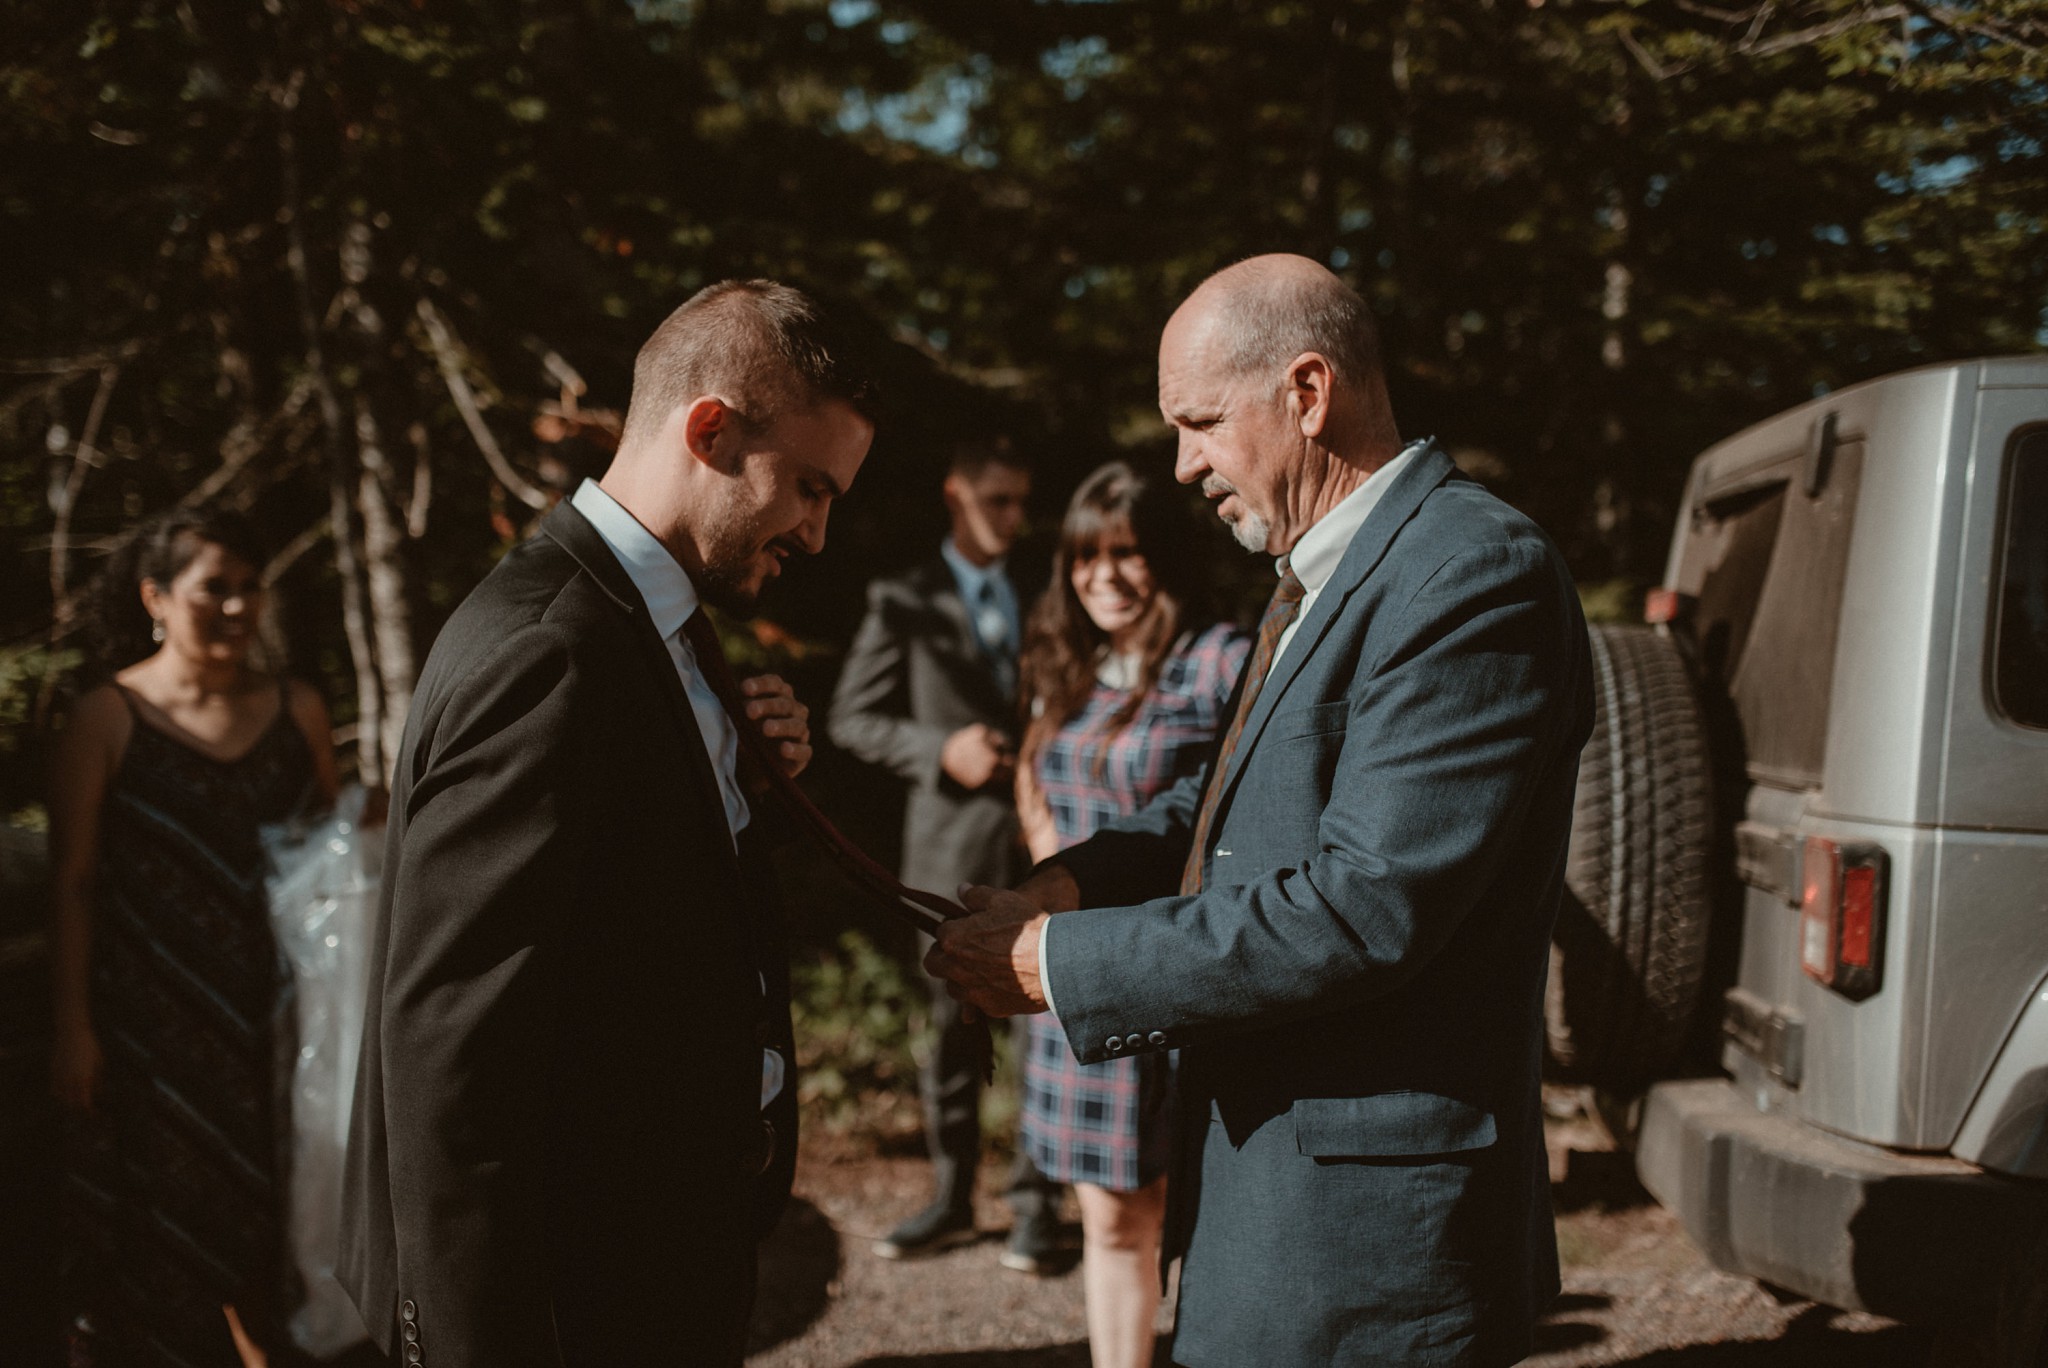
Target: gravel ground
(1635, 1289)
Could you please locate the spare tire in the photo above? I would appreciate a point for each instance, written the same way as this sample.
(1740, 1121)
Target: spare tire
(1630, 950)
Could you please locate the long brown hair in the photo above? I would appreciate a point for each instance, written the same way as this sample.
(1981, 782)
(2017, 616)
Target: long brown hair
(1062, 644)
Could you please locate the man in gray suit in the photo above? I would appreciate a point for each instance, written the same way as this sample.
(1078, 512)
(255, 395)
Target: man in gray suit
(1343, 922)
(929, 693)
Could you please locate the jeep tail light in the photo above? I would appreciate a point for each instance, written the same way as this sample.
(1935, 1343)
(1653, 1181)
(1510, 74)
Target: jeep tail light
(1841, 916)
(1666, 605)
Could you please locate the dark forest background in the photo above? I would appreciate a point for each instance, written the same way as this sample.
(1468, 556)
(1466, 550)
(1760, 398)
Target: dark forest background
(375, 270)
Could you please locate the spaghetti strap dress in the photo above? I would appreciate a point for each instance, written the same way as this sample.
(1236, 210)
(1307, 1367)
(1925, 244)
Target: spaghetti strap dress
(173, 1202)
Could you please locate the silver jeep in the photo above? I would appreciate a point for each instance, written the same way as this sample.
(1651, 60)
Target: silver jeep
(1812, 840)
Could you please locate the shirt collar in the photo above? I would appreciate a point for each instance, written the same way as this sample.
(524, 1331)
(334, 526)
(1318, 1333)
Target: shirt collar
(971, 577)
(1316, 555)
(664, 586)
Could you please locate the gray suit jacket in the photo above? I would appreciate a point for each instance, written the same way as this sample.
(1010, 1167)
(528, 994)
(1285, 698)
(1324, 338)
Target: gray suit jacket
(1357, 991)
(914, 675)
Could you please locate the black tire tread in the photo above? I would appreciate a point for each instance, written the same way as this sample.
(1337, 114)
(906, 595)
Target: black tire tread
(1630, 952)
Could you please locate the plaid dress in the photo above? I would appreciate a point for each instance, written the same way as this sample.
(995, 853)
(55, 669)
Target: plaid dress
(1107, 1123)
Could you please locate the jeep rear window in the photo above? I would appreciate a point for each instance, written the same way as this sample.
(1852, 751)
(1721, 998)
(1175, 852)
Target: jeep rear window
(1732, 537)
(2019, 672)
(1771, 565)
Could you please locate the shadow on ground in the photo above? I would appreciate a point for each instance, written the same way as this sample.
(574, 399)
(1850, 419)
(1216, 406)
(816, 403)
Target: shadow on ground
(1810, 1341)
(1603, 1179)
(799, 1274)
(1049, 1356)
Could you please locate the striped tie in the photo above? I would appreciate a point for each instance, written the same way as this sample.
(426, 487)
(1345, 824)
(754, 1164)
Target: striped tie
(1279, 614)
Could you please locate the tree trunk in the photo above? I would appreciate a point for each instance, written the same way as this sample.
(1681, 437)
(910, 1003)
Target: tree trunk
(385, 567)
(1328, 31)
(340, 496)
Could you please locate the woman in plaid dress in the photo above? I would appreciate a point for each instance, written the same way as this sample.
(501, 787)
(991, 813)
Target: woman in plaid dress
(1127, 684)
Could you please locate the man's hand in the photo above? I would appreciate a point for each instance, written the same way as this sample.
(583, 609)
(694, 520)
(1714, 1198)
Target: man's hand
(1052, 888)
(772, 704)
(977, 756)
(990, 959)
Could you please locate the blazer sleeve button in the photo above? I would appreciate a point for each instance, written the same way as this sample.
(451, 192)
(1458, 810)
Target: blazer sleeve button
(1133, 1041)
(1156, 1038)
(408, 1310)
(1115, 1045)
(412, 1352)
(411, 1331)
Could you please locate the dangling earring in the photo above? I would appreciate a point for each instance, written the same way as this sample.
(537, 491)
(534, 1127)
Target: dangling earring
(156, 631)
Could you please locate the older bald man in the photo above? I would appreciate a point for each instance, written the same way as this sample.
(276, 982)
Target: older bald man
(1343, 922)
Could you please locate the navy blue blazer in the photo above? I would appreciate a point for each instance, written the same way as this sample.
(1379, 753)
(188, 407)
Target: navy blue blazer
(1357, 991)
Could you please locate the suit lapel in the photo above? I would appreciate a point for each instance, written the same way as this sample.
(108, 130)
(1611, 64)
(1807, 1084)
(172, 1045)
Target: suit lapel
(572, 531)
(943, 592)
(1369, 544)
(945, 596)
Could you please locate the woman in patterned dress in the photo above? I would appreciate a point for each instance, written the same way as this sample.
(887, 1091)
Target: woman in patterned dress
(1126, 683)
(173, 1020)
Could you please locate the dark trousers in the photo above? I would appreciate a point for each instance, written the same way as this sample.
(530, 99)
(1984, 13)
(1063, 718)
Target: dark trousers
(950, 1085)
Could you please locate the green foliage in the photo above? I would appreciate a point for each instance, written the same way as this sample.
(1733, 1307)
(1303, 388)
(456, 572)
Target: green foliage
(860, 1019)
(1615, 600)
(1597, 237)
(24, 674)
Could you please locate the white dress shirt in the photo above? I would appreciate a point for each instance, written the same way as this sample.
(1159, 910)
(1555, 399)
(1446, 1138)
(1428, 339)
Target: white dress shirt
(1315, 558)
(670, 598)
(1316, 555)
(992, 608)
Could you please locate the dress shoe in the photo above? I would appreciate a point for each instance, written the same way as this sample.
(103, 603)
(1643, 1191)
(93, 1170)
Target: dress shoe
(938, 1227)
(1034, 1244)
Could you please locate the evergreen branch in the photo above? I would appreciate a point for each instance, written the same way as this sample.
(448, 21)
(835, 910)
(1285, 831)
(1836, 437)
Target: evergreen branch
(241, 445)
(1820, 33)
(1657, 70)
(70, 366)
(2029, 36)
(447, 354)
(297, 547)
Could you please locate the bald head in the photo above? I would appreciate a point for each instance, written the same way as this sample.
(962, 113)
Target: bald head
(1262, 313)
(1270, 377)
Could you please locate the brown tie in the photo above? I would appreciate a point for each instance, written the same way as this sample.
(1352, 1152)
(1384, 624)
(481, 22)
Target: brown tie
(1279, 613)
(923, 910)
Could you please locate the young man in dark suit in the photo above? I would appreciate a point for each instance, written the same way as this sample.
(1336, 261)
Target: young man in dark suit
(929, 693)
(1343, 922)
(573, 1113)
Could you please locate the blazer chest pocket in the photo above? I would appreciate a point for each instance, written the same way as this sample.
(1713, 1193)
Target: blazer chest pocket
(1303, 724)
(1390, 1126)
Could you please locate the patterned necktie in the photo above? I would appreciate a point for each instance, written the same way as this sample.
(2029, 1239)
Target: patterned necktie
(1279, 614)
(992, 629)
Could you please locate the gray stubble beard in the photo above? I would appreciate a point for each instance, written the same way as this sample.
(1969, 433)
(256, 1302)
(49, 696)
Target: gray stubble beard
(1250, 531)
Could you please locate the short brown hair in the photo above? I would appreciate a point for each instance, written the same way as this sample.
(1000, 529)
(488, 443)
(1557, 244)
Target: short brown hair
(974, 455)
(762, 346)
